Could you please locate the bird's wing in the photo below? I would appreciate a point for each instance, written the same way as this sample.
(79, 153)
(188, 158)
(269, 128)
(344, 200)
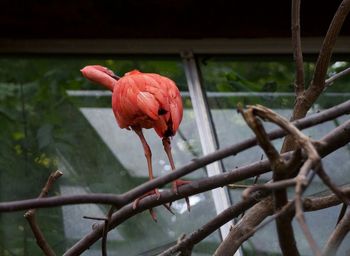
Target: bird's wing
(148, 104)
(168, 95)
(175, 103)
(150, 84)
(176, 112)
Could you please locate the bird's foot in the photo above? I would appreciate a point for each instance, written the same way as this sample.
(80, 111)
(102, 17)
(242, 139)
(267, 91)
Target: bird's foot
(179, 183)
(149, 193)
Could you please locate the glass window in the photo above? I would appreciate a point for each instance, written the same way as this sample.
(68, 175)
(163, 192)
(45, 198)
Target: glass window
(232, 81)
(52, 118)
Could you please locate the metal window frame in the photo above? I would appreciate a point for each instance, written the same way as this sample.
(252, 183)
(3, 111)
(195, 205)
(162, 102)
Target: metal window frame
(311, 45)
(207, 134)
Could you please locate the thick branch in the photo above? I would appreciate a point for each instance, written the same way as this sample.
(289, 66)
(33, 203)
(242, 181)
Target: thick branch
(309, 204)
(279, 168)
(324, 57)
(318, 82)
(250, 220)
(249, 224)
(214, 224)
(297, 52)
(338, 235)
(284, 227)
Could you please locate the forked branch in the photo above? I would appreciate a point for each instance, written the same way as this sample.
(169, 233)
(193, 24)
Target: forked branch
(30, 216)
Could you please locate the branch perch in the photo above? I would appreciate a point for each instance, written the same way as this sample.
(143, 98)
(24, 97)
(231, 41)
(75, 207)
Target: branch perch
(123, 199)
(333, 140)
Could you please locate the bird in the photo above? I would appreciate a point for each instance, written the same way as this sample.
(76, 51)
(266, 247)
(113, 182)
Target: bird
(144, 101)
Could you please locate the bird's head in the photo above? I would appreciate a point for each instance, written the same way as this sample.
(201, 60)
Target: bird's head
(100, 75)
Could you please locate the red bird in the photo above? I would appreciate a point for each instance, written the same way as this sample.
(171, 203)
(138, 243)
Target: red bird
(143, 100)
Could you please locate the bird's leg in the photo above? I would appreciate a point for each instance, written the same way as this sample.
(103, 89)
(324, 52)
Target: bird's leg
(148, 155)
(176, 183)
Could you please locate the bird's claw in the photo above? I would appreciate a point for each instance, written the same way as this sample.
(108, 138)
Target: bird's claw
(178, 183)
(168, 207)
(149, 193)
(152, 192)
(153, 215)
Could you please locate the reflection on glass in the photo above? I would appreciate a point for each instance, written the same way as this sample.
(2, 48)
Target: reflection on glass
(230, 82)
(51, 118)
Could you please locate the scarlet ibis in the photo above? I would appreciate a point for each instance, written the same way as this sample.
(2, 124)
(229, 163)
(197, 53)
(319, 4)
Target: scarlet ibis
(143, 100)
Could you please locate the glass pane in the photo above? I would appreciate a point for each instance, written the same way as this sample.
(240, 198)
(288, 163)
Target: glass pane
(245, 81)
(52, 118)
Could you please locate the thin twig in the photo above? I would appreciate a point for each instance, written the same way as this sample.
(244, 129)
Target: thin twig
(30, 216)
(341, 74)
(95, 218)
(105, 231)
(277, 185)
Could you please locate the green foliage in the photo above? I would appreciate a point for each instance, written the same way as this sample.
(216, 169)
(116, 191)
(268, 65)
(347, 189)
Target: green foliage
(271, 80)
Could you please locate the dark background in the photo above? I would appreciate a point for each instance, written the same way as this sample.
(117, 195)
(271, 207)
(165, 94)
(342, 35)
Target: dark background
(91, 19)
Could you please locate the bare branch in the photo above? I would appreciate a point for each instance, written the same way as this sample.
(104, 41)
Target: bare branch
(254, 220)
(279, 168)
(297, 52)
(342, 213)
(309, 203)
(250, 220)
(333, 187)
(30, 216)
(338, 137)
(314, 203)
(277, 185)
(105, 231)
(338, 235)
(214, 224)
(303, 104)
(123, 199)
(341, 74)
(301, 181)
(318, 82)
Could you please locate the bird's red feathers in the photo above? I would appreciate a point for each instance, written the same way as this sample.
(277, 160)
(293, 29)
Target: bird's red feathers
(144, 100)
